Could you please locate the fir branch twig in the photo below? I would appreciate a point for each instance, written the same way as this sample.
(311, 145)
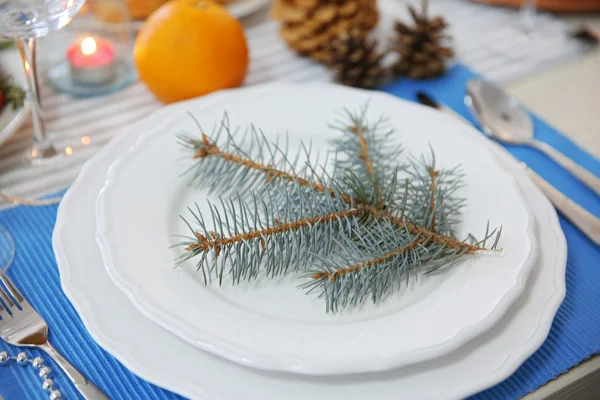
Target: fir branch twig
(367, 151)
(380, 259)
(364, 208)
(248, 232)
(368, 231)
(333, 275)
(216, 242)
(247, 169)
(364, 155)
(208, 148)
(415, 229)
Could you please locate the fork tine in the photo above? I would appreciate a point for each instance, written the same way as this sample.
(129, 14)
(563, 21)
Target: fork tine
(11, 288)
(7, 302)
(3, 311)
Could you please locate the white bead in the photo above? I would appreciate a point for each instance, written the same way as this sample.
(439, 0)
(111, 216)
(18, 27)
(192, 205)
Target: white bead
(21, 358)
(3, 357)
(55, 395)
(37, 362)
(47, 384)
(44, 372)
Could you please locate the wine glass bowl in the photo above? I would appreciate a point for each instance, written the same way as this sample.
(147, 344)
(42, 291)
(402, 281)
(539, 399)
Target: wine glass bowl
(35, 18)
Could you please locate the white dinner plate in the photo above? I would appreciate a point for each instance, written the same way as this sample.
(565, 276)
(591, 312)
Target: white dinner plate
(169, 362)
(270, 324)
(11, 120)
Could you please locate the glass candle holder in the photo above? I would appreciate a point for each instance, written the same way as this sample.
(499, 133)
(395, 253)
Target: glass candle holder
(93, 55)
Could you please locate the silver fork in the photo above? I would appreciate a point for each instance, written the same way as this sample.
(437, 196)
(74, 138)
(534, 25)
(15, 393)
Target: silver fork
(21, 325)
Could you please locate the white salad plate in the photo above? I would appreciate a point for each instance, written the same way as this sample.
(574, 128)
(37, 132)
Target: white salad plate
(271, 324)
(167, 361)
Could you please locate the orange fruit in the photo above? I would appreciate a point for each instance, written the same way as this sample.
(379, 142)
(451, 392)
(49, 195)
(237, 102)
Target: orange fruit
(188, 48)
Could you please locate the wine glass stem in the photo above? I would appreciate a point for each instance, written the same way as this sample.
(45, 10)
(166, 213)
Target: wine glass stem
(42, 147)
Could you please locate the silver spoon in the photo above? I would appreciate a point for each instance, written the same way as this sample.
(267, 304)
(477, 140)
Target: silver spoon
(505, 119)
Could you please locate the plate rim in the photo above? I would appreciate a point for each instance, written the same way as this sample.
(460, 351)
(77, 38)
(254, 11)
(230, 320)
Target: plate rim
(126, 353)
(249, 357)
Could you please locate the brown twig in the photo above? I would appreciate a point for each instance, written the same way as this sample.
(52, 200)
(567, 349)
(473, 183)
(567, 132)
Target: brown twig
(334, 275)
(364, 155)
(210, 149)
(217, 243)
(426, 233)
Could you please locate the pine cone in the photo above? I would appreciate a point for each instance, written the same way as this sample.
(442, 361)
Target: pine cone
(422, 55)
(308, 26)
(356, 60)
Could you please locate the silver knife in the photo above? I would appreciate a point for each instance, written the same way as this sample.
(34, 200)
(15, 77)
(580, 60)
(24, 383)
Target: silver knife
(585, 221)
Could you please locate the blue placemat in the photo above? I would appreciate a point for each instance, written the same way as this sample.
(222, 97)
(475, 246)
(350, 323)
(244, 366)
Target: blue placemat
(575, 334)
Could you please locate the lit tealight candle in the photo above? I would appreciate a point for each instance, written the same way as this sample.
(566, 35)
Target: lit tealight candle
(92, 61)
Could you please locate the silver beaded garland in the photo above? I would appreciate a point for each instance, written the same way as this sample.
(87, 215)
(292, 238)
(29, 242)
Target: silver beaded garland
(21, 358)
(47, 384)
(45, 371)
(38, 362)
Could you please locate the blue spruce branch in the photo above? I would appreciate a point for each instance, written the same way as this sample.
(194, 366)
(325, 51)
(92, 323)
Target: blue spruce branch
(364, 227)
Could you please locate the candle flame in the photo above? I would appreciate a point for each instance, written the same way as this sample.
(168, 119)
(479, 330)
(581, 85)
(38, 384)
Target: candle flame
(88, 46)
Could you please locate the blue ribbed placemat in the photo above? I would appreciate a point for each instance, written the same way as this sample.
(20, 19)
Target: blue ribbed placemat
(574, 336)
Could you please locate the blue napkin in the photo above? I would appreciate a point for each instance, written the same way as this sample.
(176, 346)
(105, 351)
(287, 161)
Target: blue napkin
(573, 338)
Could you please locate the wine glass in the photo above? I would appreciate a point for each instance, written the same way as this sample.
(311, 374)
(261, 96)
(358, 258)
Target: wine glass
(24, 21)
